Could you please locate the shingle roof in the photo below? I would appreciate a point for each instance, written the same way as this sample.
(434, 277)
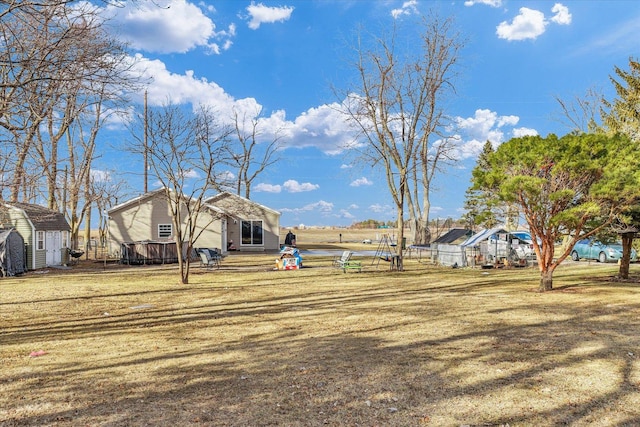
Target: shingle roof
(44, 219)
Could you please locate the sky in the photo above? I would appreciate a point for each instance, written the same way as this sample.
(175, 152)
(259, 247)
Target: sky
(283, 58)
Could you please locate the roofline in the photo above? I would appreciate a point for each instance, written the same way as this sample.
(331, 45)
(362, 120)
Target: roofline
(209, 200)
(135, 200)
(150, 194)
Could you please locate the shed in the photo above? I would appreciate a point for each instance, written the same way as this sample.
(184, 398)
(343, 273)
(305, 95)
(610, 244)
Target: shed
(12, 253)
(488, 245)
(455, 235)
(45, 233)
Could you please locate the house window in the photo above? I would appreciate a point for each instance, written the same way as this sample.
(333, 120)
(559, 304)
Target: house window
(65, 239)
(40, 240)
(252, 233)
(165, 231)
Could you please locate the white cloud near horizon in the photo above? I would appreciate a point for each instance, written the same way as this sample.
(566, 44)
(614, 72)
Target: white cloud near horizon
(261, 14)
(377, 208)
(321, 206)
(531, 23)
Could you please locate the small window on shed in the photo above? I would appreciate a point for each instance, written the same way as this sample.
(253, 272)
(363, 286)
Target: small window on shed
(40, 240)
(165, 231)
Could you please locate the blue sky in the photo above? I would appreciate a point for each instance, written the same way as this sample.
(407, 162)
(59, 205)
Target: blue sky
(282, 57)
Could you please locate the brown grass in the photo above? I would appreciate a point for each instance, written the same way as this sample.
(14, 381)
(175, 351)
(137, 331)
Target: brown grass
(249, 346)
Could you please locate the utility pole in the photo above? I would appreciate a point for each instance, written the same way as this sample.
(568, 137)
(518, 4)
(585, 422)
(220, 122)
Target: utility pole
(146, 162)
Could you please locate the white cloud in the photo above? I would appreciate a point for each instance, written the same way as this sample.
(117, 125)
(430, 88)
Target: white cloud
(293, 186)
(520, 132)
(354, 206)
(378, 208)
(562, 15)
(345, 166)
(492, 3)
(191, 174)
(320, 206)
(185, 88)
(486, 125)
(100, 175)
(360, 182)
(167, 26)
(529, 24)
(408, 8)
(267, 188)
(346, 214)
(261, 14)
(435, 210)
(324, 127)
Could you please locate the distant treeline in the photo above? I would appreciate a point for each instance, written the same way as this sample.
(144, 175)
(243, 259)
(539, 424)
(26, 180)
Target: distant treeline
(436, 223)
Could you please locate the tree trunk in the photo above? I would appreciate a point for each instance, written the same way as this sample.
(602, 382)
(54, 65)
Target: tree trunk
(421, 232)
(400, 221)
(546, 280)
(87, 234)
(627, 241)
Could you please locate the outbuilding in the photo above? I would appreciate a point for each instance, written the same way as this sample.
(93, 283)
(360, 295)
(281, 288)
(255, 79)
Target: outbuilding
(45, 233)
(12, 253)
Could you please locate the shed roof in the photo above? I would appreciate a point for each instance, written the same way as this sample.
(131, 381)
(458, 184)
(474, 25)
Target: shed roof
(43, 219)
(453, 235)
(482, 235)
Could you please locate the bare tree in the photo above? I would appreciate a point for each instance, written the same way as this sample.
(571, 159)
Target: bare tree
(62, 77)
(581, 114)
(184, 151)
(253, 153)
(397, 105)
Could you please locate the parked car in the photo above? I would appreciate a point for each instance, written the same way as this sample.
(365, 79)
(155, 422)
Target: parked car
(592, 249)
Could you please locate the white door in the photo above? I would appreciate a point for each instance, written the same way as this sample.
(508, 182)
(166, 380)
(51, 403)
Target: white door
(52, 244)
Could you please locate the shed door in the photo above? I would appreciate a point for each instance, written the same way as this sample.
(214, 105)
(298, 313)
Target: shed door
(53, 243)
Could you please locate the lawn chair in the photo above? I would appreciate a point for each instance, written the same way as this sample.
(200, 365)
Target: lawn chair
(340, 261)
(209, 258)
(346, 263)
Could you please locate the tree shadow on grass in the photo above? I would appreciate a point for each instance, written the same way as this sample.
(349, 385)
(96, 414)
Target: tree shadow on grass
(392, 354)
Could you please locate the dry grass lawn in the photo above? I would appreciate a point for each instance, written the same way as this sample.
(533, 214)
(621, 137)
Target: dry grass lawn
(249, 346)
